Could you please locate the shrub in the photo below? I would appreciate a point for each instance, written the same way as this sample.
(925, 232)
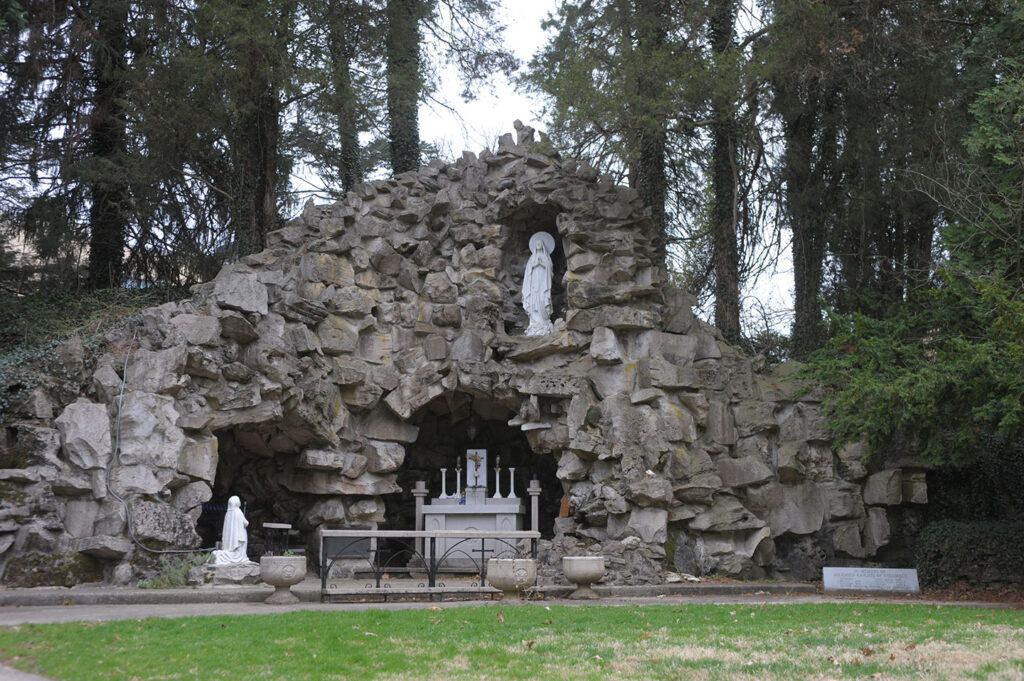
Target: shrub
(979, 553)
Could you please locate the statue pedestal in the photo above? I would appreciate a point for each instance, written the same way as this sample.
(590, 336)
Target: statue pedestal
(241, 574)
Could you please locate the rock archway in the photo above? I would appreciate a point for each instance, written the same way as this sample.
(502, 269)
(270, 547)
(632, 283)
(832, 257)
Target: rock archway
(453, 423)
(306, 373)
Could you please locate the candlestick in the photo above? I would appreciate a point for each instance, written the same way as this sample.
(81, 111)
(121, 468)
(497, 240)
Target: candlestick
(511, 484)
(444, 484)
(497, 481)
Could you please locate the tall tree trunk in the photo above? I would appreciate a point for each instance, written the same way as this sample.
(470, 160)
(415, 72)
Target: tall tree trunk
(647, 171)
(404, 84)
(257, 133)
(255, 155)
(809, 231)
(342, 52)
(723, 181)
(108, 182)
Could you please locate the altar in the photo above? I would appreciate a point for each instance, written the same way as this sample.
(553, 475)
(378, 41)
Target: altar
(472, 506)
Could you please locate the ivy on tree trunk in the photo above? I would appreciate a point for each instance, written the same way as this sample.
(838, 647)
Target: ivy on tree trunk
(404, 83)
(105, 172)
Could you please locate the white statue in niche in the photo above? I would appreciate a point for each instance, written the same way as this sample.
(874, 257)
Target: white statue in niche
(234, 540)
(537, 284)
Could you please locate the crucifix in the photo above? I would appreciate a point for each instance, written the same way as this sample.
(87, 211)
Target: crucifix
(476, 462)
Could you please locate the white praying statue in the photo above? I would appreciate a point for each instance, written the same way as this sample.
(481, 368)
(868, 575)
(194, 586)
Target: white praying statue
(537, 284)
(234, 540)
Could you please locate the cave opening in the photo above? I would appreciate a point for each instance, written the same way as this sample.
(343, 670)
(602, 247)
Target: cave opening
(250, 460)
(456, 422)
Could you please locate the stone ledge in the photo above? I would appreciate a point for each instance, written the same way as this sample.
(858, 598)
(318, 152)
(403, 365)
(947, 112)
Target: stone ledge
(310, 592)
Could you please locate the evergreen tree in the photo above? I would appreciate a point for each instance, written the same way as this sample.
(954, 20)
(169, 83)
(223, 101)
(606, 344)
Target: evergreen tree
(868, 93)
(941, 372)
(347, 24)
(721, 29)
(613, 73)
(63, 132)
(105, 171)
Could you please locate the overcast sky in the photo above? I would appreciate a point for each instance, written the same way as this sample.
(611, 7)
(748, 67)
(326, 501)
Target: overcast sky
(497, 105)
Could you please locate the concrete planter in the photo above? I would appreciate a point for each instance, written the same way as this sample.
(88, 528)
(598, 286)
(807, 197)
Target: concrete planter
(282, 572)
(511, 575)
(583, 571)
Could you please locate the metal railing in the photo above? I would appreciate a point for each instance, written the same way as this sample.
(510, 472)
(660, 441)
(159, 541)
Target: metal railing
(419, 550)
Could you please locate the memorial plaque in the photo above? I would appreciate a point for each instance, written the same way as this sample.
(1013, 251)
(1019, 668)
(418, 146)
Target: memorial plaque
(871, 579)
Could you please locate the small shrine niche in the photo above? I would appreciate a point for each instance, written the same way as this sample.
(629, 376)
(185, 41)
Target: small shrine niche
(248, 467)
(520, 227)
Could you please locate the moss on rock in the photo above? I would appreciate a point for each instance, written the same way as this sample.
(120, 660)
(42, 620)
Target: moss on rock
(59, 569)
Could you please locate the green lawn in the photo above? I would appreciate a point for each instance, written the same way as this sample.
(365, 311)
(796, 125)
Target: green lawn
(691, 642)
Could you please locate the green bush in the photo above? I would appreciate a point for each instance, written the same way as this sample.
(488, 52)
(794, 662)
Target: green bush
(988, 489)
(979, 553)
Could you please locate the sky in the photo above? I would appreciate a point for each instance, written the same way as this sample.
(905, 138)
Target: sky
(476, 125)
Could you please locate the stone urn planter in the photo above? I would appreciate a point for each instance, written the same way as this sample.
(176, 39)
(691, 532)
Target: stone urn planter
(511, 575)
(282, 572)
(583, 571)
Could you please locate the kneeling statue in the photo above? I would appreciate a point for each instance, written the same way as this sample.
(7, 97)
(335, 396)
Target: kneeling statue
(234, 540)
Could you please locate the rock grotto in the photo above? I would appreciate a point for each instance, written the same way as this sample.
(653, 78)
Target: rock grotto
(375, 339)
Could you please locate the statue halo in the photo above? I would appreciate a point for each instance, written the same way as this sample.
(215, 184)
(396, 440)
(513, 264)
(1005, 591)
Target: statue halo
(542, 238)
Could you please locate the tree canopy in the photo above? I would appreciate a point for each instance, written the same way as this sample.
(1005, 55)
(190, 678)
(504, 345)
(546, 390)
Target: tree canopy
(147, 142)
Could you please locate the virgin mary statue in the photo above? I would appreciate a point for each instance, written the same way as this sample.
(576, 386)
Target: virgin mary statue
(537, 284)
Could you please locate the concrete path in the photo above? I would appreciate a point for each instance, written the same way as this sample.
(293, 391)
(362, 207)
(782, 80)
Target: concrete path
(8, 674)
(42, 614)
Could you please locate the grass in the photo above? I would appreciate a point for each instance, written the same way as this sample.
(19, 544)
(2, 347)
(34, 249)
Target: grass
(692, 642)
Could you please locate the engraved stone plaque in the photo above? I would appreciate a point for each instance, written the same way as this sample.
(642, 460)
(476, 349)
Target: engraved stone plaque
(871, 579)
